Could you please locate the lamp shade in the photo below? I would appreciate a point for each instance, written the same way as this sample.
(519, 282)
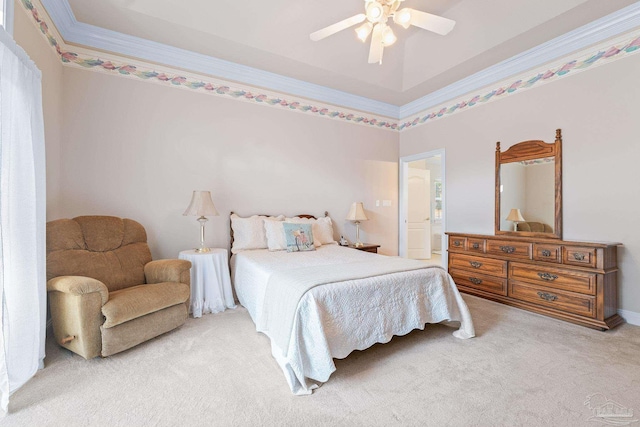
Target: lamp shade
(515, 215)
(201, 205)
(356, 213)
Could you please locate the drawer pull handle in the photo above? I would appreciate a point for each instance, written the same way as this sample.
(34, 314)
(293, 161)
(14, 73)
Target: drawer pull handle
(548, 276)
(507, 249)
(456, 243)
(475, 280)
(547, 296)
(475, 264)
(476, 245)
(578, 256)
(546, 253)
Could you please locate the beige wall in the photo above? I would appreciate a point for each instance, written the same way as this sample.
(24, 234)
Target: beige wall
(47, 61)
(598, 112)
(138, 150)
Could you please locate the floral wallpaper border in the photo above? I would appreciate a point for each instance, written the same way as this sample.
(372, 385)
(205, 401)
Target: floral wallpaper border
(538, 161)
(217, 88)
(251, 95)
(623, 49)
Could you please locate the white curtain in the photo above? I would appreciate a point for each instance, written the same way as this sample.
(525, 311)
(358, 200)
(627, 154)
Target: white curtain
(22, 219)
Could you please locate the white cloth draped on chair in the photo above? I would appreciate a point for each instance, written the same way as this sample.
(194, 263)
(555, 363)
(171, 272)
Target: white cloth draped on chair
(22, 219)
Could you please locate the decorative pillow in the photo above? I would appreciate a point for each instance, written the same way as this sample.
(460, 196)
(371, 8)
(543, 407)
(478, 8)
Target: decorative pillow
(322, 229)
(248, 233)
(312, 222)
(275, 235)
(299, 237)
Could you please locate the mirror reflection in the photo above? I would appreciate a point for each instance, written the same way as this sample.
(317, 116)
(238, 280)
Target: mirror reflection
(527, 195)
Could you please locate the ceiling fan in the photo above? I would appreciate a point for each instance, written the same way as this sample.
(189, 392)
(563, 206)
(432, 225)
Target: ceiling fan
(377, 13)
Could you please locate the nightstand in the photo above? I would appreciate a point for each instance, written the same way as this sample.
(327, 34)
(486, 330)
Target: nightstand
(367, 247)
(210, 282)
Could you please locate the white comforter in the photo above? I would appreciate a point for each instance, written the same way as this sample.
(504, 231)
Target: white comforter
(334, 319)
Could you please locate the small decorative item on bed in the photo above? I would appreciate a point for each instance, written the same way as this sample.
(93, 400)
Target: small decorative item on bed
(299, 237)
(310, 304)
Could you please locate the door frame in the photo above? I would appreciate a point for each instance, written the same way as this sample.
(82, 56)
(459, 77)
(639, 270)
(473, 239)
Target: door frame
(404, 200)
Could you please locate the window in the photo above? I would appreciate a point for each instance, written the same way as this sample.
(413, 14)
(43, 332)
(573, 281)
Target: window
(6, 15)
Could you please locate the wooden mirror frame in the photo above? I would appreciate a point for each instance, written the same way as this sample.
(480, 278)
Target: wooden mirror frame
(530, 150)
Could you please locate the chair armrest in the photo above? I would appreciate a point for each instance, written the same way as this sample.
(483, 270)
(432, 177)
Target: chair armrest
(78, 285)
(168, 270)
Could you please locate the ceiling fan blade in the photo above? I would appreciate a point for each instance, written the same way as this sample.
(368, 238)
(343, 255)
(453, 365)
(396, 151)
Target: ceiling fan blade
(338, 26)
(435, 23)
(375, 51)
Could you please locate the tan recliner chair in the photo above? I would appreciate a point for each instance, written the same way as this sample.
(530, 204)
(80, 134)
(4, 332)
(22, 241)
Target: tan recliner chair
(105, 293)
(537, 227)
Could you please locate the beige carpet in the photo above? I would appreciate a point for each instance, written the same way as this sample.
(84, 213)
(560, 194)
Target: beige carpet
(521, 369)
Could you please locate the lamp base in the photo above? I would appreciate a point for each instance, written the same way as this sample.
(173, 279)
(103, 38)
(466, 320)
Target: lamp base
(358, 243)
(202, 249)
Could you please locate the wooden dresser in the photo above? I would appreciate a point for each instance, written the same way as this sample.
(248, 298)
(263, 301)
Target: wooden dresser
(572, 281)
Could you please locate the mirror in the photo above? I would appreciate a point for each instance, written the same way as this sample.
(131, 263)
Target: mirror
(529, 189)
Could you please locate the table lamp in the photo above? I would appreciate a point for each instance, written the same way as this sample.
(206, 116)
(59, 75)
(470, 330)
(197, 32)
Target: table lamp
(357, 214)
(200, 206)
(516, 217)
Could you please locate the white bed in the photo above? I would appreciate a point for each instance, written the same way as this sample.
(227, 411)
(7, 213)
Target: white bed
(334, 319)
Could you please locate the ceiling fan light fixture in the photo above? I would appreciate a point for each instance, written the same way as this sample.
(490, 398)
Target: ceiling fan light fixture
(403, 18)
(364, 30)
(374, 23)
(375, 11)
(388, 38)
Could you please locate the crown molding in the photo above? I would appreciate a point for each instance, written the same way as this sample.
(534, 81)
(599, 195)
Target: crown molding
(79, 33)
(612, 25)
(95, 37)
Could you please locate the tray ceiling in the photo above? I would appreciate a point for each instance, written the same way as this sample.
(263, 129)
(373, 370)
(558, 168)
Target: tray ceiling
(274, 36)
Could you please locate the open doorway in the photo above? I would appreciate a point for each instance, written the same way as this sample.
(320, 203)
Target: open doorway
(422, 207)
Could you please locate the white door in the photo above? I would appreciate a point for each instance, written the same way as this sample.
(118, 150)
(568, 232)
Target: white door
(419, 212)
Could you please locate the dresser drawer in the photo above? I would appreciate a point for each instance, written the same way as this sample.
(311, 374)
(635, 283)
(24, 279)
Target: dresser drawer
(494, 267)
(570, 302)
(476, 245)
(559, 278)
(495, 285)
(521, 250)
(576, 255)
(457, 243)
(549, 253)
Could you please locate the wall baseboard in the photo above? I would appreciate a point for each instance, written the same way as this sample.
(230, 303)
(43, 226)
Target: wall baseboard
(631, 317)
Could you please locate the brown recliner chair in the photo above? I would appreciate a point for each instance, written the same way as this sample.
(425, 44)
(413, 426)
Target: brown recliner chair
(105, 293)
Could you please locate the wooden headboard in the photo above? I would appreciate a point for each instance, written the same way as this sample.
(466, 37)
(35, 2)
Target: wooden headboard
(231, 228)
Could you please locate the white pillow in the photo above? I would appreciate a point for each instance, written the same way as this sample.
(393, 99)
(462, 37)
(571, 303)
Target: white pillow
(274, 230)
(248, 233)
(324, 230)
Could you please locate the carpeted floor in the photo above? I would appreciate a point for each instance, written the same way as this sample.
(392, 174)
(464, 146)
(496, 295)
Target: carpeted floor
(521, 369)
